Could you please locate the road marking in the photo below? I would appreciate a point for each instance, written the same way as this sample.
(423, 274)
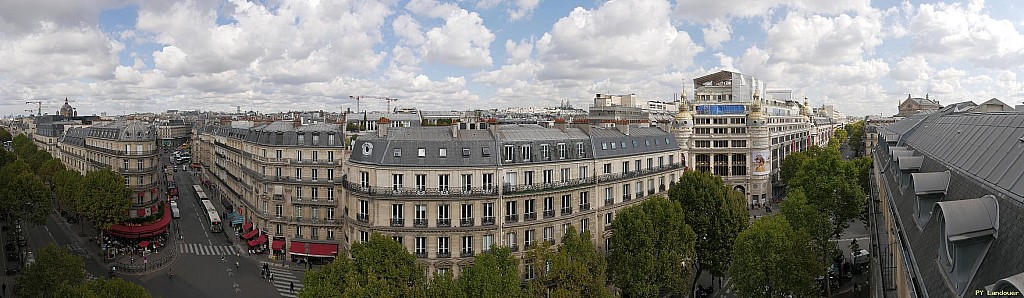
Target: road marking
(282, 277)
(851, 239)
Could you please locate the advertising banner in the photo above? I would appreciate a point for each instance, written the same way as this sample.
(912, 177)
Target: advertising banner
(720, 110)
(762, 162)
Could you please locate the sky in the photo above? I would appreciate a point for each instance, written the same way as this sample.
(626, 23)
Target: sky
(864, 57)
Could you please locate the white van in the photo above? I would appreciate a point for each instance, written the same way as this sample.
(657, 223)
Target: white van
(861, 258)
(175, 213)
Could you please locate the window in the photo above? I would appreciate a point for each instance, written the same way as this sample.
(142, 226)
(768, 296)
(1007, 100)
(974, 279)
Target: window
(549, 234)
(330, 154)
(442, 183)
(364, 179)
(421, 182)
(314, 152)
(529, 239)
(584, 200)
(625, 167)
(637, 165)
(420, 212)
(330, 234)
(545, 152)
(547, 176)
(527, 177)
(421, 247)
(526, 152)
(398, 152)
(489, 211)
(314, 193)
(609, 195)
(604, 146)
(277, 153)
(364, 207)
(298, 192)
(488, 181)
(486, 151)
(396, 182)
(579, 151)
(613, 145)
(396, 212)
(443, 215)
(364, 236)
(467, 214)
(607, 168)
(330, 213)
(139, 164)
(314, 233)
(421, 152)
(125, 166)
(721, 144)
(566, 204)
(639, 189)
(467, 245)
(650, 163)
(465, 152)
(313, 174)
(467, 182)
(561, 151)
(509, 153)
(298, 154)
(443, 152)
(702, 144)
(584, 172)
(298, 174)
(584, 225)
(488, 242)
(330, 175)
(608, 217)
(528, 206)
(397, 239)
(739, 143)
(442, 247)
(278, 209)
(510, 179)
(549, 204)
(511, 237)
(510, 209)
(565, 175)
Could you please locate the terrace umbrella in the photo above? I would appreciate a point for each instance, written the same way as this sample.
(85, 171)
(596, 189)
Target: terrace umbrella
(143, 244)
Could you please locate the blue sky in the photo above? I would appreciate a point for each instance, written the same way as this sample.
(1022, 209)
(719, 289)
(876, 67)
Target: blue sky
(276, 55)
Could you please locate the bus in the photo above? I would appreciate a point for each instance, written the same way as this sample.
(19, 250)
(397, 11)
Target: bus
(215, 225)
(201, 196)
(214, 217)
(172, 190)
(197, 188)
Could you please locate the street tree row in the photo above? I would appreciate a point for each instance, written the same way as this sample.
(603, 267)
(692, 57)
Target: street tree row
(59, 273)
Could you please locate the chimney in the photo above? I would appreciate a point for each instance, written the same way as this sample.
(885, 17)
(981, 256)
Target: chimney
(560, 124)
(382, 127)
(624, 128)
(455, 129)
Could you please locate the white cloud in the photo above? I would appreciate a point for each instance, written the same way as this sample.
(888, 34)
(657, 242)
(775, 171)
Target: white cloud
(716, 33)
(463, 40)
(824, 40)
(913, 68)
(522, 9)
(951, 32)
(708, 11)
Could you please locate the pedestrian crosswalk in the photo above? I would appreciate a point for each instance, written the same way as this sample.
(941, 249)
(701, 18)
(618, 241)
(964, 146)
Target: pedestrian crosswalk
(283, 279)
(207, 250)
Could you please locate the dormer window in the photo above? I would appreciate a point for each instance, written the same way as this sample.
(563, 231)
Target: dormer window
(908, 165)
(967, 230)
(929, 188)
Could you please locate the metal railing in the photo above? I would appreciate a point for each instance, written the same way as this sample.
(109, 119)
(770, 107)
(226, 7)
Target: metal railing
(487, 221)
(419, 222)
(444, 254)
(566, 211)
(363, 217)
(585, 207)
(397, 222)
(414, 191)
(529, 216)
(511, 218)
(466, 222)
(444, 222)
(466, 253)
(549, 213)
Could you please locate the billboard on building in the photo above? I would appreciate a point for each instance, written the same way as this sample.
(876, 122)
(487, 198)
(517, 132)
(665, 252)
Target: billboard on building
(721, 110)
(762, 162)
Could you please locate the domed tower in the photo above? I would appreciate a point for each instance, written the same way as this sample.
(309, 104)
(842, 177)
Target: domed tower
(682, 126)
(759, 186)
(66, 110)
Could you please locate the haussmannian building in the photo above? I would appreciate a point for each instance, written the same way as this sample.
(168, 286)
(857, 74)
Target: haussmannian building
(284, 177)
(448, 193)
(732, 130)
(128, 148)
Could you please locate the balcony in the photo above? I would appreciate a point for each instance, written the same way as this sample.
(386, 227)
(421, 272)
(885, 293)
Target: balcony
(585, 207)
(444, 222)
(609, 202)
(421, 255)
(538, 187)
(549, 213)
(466, 222)
(130, 170)
(639, 194)
(363, 217)
(626, 197)
(512, 218)
(530, 216)
(397, 222)
(566, 211)
(514, 247)
(444, 254)
(487, 221)
(419, 222)
(411, 191)
(466, 253)
(661, 188)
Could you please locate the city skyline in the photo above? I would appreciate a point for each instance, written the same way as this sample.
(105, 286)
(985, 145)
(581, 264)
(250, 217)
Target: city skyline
(132, 56)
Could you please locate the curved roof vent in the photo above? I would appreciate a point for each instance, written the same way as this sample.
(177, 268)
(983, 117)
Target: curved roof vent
(1007, 286)
(929, 188)
(910, 163)
(967, 230)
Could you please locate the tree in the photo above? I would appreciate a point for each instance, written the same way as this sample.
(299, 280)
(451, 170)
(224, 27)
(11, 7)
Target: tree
(791, 165)
(48, 170)
(4, 136)
(494, 273)
(716, 214)
(22, 146)
(379, 268)
(105, 199)
(23, 195)
(54, 267)
(650, 243)
(831, 184)
(37, 158)
(576, 268)
(809, 221)
(770, 261)
(838, 138)
(856, 132)
(444, 285)
(329, 281)
(113, 287)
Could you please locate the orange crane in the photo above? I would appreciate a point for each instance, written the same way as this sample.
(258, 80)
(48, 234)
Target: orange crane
(359, 97)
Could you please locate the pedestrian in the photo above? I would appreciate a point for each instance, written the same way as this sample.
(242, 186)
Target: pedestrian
(236, 264)
(271, 277)
(291, 286)
(5, 289)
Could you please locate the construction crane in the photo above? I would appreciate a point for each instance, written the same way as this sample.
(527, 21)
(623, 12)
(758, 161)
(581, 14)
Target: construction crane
(39, 105)
(359, 97)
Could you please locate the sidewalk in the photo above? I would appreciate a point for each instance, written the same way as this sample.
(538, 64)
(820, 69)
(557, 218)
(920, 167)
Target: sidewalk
(125, 265)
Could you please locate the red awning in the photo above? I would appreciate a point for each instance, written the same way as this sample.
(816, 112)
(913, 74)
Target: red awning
(277, 245)
(313, 249)
(247, 226)
(143, 243)
(149, 230)
(141, 212)
(250, 234)
(254, 243)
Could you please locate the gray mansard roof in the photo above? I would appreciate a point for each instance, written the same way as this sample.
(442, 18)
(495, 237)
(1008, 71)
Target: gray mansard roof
(123, 131)
(283, 133)
(984, 154)
(468, 147)
(75, 136)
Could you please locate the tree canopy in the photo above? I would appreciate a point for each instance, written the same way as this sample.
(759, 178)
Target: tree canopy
(105, 288)
(716, 214)
(4, 135)
(494, 273)
(23, 195)
(832, 184)
(378, 268)
(577, 269)
(106, 200)
(650, 243)
(54, 267)
(770, 261)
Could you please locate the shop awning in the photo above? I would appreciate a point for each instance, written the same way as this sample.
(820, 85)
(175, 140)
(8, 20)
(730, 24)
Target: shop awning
(258, 241)
(238, 220)
(313, 249)
(277, 245)
(250, 234)
(247, 226)
(148, 230)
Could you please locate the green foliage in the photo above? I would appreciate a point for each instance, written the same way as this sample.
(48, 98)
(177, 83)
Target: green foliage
(444, 285)
(856, 132)
(862, 170)
(379, 268)
(107, 288)
(810, 222)
(4, 136)
(577, 269)
(37, 158)
(329, 281)
(770, 261)
(54, 267)
(650, 243)
(23, 146)
(494, 273)
(716, 214)
(23, 195)
(49, 169)
(105, 199)
(6, 157)
(69, 189)
(352, 127)
(831, 184)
